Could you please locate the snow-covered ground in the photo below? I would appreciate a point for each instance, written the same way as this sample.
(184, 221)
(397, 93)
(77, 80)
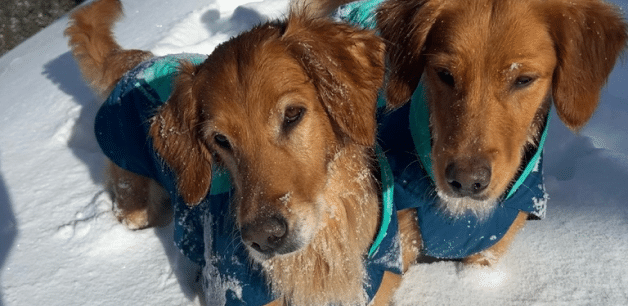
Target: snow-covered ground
(60, 245)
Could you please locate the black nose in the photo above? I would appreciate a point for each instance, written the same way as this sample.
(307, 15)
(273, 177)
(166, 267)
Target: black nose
(266, 235)
(468, 177)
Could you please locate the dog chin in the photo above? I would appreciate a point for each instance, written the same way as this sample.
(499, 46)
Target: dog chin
(260, 257)
(459, 206)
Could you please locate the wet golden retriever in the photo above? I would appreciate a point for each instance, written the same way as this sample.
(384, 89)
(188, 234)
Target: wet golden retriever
(491, 69)
(288, 108)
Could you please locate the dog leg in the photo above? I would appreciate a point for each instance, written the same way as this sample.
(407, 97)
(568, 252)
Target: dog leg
(410, 239)
(139, 202)
(410, 236)
(388, 287)
(491, 255)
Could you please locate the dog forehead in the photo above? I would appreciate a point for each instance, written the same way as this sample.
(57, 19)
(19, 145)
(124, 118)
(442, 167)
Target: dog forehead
(250, 81)
(252, 95)
(491, 35)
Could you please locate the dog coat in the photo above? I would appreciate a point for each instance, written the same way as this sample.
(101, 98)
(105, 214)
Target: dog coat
(404, 134)
(206, 233)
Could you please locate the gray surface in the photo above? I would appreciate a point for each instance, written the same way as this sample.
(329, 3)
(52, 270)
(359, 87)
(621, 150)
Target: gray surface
(19, 19)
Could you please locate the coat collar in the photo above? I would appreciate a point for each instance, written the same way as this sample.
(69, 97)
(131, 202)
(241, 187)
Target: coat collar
(387, 181)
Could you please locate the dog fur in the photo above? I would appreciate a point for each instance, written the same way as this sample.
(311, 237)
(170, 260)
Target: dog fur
(491, 69)
(289, 109)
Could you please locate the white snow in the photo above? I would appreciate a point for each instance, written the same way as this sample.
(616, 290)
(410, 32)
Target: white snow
(61, 245)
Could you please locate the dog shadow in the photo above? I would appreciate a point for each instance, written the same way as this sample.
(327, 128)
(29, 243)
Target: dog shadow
(8, 228)
(243, 19)
(64, 72)
(187, 272)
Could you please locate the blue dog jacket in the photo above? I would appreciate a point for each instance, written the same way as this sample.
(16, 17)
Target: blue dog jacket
(404, 134)
(206, 233)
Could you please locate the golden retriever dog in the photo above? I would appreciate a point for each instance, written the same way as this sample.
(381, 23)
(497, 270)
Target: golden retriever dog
(488, 72)
(283, 115)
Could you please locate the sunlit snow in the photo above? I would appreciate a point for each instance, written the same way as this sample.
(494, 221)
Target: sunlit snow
(61, 245)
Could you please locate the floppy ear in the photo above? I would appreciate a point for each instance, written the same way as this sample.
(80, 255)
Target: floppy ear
(175, 134)
(588, 37)
(404, 26)
(346, 65)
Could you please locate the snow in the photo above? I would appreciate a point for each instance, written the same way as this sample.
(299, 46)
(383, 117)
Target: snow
(61, 245)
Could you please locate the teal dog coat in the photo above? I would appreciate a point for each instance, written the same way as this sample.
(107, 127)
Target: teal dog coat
(206, 232)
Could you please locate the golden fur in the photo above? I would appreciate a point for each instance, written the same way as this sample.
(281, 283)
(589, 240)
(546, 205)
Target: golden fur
(491, 69)
(289, 109)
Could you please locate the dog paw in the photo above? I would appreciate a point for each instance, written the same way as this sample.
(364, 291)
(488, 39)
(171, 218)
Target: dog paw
(133, 220)
(482, 259)
(482, 270)
(139, 202)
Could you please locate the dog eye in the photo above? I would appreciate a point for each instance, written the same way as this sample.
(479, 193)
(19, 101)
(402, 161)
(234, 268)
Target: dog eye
(523, 81)
(222, 141)
(446, 77)
(292, 116)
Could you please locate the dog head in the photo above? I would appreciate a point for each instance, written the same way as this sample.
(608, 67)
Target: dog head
(491, 70)
(274, 106)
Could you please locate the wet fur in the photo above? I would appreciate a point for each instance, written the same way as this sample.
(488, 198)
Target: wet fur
(233, 111)
(472, 57)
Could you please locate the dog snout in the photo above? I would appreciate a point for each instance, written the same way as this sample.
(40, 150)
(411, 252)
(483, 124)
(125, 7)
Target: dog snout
(468, 177)
(267, 235)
